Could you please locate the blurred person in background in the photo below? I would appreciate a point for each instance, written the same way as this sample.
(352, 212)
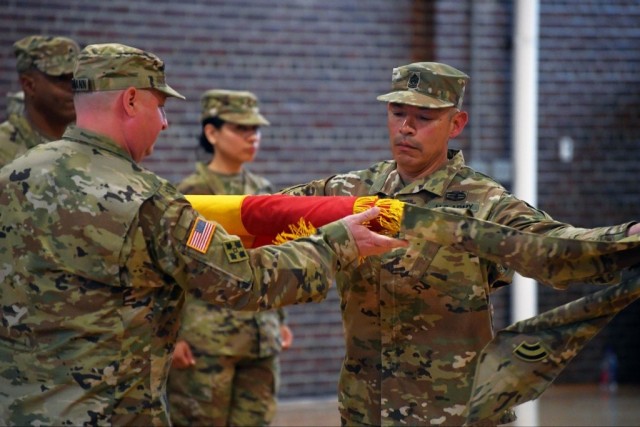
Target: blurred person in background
(225, 367)
(45, 69)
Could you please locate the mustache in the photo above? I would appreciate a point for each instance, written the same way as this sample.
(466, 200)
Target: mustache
(406, 142)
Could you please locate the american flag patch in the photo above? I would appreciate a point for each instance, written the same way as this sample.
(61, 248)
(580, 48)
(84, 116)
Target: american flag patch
(201, 234)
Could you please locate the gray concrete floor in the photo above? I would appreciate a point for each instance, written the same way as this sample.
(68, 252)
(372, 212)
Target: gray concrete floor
(560, 405)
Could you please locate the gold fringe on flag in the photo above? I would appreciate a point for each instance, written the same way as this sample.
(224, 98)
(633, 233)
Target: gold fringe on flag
(302, 229)
(388, 222)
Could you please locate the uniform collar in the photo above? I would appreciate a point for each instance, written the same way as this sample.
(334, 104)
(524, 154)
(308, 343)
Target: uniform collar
(390, 184)
(86, 136)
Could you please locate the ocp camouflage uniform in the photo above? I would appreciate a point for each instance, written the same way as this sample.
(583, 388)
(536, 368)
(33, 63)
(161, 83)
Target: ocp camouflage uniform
(413, 336)
(96, 256)
(53, 56)
(235, 379)
(16, 137)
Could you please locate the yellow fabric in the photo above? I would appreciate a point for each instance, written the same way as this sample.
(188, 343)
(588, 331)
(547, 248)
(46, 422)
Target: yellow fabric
(225, 211)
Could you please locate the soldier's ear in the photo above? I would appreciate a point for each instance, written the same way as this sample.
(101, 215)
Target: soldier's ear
(210, 132)
(458, 122)
(28, 83)
(129, 100)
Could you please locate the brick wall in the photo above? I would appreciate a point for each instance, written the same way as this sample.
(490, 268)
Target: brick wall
(317, 66)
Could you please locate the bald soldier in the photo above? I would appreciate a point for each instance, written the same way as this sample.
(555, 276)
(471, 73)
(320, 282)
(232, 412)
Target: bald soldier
(413, 336)
(43, 109)
(97, 254)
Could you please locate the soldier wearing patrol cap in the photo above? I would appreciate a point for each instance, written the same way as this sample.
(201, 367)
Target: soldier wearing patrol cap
(416, 319)
(45, 66)
(237, 363)
(103, 251)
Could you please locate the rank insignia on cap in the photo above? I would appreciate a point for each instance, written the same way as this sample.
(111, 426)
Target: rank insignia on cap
(531, 352)
(235, 251)
(414, 81)
(200, 235)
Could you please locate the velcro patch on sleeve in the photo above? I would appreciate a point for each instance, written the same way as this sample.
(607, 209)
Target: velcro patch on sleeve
(200, 235)
(531, 352)
(235, 251)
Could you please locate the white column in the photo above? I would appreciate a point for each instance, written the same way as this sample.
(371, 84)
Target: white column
(524, 301)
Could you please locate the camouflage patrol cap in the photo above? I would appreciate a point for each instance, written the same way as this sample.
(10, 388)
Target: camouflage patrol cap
(233, 106)
(427, 84)
(113, 66)
(54, 56)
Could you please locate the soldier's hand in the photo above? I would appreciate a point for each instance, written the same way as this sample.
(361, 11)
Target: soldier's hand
(182, 356)
(370, 242)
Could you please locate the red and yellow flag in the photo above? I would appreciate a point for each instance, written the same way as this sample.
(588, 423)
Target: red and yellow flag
(276, 218)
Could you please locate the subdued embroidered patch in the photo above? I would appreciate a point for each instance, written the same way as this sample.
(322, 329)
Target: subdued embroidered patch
(235, 251)
(531, 352)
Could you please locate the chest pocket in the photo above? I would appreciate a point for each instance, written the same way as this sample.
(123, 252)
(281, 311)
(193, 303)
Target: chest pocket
(411, 262)
(458, 280)
(461, 279)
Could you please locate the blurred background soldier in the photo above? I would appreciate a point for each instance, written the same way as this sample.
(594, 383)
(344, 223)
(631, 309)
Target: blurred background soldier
(225, 368)
(45, 69)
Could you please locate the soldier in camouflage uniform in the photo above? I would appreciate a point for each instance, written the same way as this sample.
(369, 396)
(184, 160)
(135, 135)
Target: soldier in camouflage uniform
(225, 368)
(45, 67)
(413, 335)
(97, 254)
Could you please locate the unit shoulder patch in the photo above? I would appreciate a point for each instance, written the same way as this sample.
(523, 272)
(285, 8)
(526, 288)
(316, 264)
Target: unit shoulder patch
(235, 251)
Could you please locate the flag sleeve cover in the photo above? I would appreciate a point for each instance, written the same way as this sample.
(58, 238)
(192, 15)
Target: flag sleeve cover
(272, 219)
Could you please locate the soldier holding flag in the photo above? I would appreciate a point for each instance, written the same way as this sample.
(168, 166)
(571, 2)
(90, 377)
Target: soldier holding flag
(417, 319)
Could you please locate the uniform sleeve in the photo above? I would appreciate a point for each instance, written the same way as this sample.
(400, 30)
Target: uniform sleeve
(313, 188)
(223, 272)
(515, 213)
